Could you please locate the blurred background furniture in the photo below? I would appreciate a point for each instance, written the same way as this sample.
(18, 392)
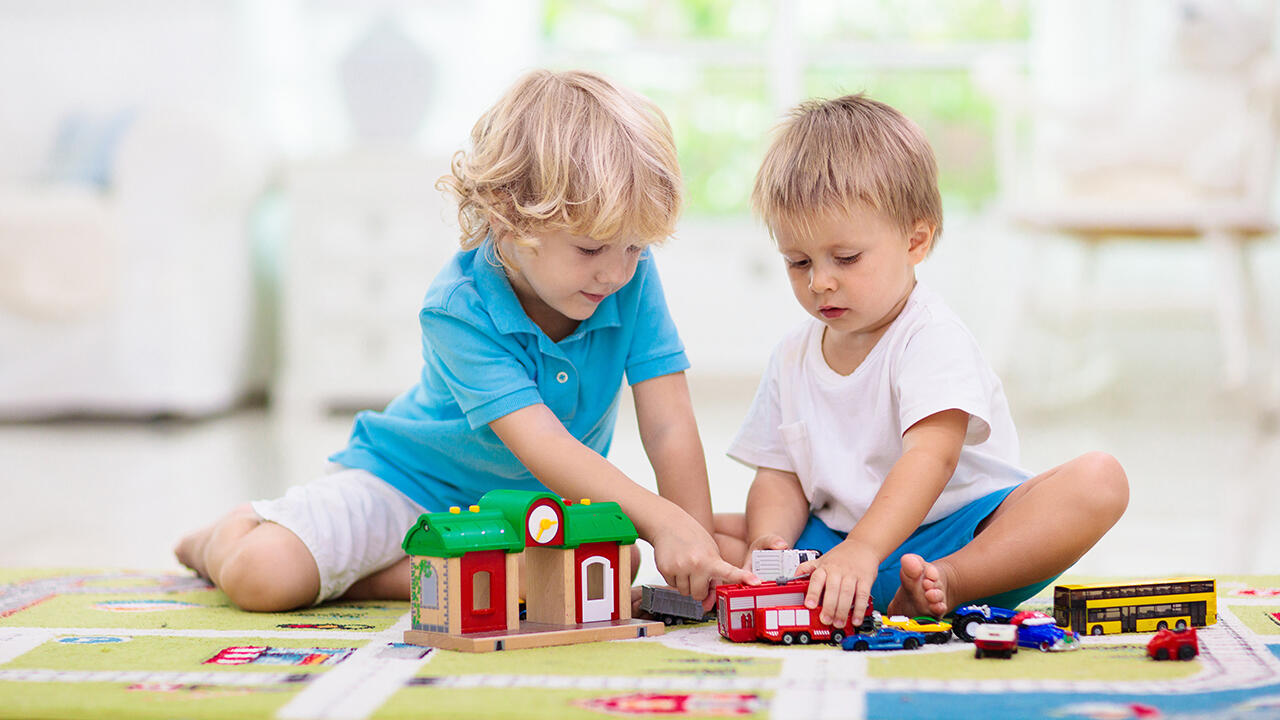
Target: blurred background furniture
(1174, 139)
(126, 285)
(367, 233)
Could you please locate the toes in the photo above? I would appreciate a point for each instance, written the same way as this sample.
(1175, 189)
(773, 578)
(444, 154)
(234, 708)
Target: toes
(912, 567)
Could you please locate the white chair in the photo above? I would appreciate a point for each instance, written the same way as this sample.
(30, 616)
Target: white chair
(1182, 149)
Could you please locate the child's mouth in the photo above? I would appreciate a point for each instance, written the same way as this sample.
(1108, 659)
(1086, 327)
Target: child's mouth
(593, 297)
(832, 312)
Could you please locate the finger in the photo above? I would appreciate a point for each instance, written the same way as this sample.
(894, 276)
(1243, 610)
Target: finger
(682, 585)
(830, 598)
(845, 601)
(805, 568)
(730, 575)
(814, 593)
(698, 586)
(860, 596)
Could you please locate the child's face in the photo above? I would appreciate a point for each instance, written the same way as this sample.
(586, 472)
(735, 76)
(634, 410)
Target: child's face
(854, 269)
(563, 280)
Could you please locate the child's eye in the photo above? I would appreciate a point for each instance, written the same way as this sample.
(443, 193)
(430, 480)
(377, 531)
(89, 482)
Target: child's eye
(848, 259)
(804, 262)
(591, 251)
(634, 249)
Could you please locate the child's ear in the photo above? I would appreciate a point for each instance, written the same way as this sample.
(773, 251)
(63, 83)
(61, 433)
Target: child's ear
(920, 241)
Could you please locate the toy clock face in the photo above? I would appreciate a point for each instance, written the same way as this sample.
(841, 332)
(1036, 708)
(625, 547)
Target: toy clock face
(543, 524)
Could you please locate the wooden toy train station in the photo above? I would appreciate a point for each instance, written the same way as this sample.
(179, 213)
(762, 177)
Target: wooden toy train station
(465, 574)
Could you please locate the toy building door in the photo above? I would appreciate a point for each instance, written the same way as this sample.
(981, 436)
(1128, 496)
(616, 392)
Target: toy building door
(595, 586)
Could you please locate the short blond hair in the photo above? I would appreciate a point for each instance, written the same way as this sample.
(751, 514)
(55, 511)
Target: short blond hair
(568, 151)
(832, 155)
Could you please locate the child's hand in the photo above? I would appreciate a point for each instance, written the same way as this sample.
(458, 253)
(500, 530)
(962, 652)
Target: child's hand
(764, 542)
(841, 578)
(689, 560)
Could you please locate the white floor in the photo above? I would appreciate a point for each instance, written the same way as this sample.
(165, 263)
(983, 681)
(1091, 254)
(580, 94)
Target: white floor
(1202, 468)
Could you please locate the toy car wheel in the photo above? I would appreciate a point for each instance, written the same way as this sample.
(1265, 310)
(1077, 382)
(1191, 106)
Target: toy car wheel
(788, 639)
(836, 637)
(1095, 630)
(910, 644)
(1186, 652)
(977, 653)
(1162, 654)
(939, 638)
(1045, 645)
(861, 646)
(1182, 625)
(966, 625)
(804, 638)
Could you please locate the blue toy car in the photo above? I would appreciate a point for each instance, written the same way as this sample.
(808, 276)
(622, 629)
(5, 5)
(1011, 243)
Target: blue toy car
(886, 638)
(969, 617)
(1037, 630)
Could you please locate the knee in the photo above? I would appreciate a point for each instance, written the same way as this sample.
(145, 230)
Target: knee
(261, 578)
(1105, 487)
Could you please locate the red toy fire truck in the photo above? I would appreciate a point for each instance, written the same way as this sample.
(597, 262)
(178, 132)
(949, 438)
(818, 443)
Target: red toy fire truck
(776, 612)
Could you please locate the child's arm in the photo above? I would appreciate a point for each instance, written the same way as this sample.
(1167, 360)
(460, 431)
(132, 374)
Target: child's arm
(777, 511)
(685, 552)
(669, 434)
(842, 578)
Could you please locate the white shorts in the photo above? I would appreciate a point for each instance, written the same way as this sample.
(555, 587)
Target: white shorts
(352, 522)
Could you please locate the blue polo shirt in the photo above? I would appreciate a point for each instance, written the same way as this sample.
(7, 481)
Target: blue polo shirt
(484, 358)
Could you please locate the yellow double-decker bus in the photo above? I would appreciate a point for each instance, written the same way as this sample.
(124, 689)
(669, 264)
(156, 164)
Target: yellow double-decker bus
(1147, 606)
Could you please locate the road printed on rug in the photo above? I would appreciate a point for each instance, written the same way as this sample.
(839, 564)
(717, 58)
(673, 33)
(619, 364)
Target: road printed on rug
(358, 679)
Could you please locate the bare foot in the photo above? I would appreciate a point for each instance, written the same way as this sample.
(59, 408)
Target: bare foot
(923, 590)
(190, 550)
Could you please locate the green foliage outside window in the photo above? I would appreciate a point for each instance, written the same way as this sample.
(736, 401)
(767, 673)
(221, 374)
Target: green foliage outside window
(705, 62)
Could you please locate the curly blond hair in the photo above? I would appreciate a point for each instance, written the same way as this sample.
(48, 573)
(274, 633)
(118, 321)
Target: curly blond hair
(831, 155)
(567, 151)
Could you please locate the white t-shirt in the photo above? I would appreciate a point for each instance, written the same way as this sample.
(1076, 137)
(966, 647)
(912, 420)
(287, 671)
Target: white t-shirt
(841, 434)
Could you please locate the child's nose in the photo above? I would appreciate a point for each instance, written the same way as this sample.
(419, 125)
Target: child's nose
(820, 280)
(612, 273)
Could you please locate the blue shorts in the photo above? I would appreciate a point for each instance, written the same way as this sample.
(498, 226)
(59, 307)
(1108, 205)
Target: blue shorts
(935, 540)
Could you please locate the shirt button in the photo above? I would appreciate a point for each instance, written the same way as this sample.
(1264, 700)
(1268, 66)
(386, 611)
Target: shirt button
(562, 377)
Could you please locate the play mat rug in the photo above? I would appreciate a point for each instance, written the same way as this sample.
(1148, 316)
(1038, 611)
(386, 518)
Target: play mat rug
(122, 644)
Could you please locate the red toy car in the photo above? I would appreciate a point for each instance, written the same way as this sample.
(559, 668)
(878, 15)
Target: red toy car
(995, 641)
(776, 612)
(1169, 644)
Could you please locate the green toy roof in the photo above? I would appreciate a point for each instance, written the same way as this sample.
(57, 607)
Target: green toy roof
(597, 522)
(446, 534)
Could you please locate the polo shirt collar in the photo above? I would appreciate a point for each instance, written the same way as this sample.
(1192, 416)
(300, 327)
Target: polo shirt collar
(508, 315)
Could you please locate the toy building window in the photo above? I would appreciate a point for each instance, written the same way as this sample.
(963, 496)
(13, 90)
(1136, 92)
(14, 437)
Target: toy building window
(429, 588)
(595, 581)
(480, 587)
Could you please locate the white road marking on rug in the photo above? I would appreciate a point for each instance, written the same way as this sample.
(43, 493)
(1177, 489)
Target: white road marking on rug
(814, 683)
(300, 634)
(149, 676)
(14, 643)
(359, 685)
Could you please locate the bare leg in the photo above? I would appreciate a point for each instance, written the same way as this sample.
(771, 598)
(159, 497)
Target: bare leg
(389, 583)
(261, 566)
(1040, 530)
(731, 537)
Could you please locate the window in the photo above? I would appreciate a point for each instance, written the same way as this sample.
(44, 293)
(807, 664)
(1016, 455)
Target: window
(480, 589)
(429, 587)
(724, 72)
(595, 581)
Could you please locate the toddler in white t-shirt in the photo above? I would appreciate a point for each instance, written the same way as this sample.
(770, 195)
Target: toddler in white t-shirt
(880, 435)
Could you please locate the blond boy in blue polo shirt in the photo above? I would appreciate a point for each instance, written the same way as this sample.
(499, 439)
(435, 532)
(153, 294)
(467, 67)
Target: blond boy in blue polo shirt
(528, 335)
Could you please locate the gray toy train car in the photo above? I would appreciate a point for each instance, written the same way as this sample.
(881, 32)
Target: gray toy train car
(671, 607)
